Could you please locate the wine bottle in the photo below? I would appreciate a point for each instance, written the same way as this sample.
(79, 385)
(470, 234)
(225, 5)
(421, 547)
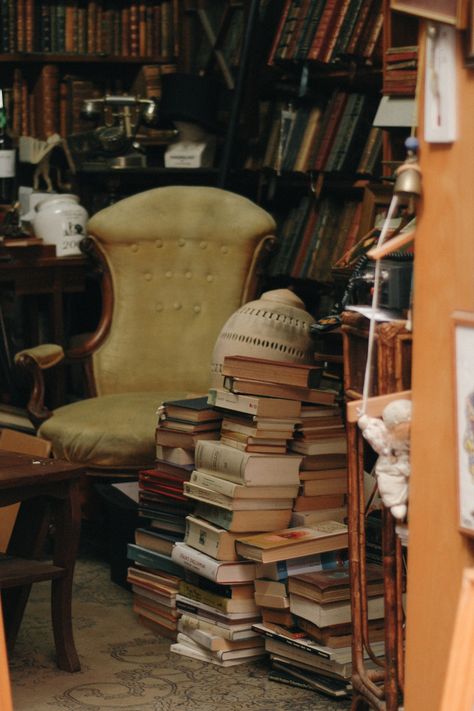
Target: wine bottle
(7, 159)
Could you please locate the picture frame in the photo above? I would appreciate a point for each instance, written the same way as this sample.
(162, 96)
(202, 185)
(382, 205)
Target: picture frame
(453, 12)
(463, 358)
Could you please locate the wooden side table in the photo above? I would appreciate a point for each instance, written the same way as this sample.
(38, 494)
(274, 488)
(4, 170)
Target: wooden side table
(378, 688)
(48, 490)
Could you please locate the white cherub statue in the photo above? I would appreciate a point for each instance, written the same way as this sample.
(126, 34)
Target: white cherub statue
(389, 436)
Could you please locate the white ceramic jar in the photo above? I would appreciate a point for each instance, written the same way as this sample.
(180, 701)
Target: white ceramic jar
(61, 220)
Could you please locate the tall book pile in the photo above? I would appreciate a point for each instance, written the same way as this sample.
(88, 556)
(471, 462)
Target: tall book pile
(327, 32)
(163, 505)
(244, 483)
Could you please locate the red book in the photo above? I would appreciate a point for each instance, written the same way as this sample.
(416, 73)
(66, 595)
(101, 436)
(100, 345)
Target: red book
(325, 28)
(279, 30)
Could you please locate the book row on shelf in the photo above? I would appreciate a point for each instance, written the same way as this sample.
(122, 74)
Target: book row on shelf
(95, 27)
(314, 236)
(49, 102)
(334, 135)
(328, 31)
(242, 549)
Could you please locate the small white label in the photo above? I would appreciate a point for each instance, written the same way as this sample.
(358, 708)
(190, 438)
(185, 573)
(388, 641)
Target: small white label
(7, 164)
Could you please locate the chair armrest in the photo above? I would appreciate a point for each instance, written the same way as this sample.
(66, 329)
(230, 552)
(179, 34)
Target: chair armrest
(34, 361)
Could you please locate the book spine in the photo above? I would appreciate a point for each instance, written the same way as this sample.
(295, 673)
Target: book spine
(222, 486)
(196, 561)
(30, 25)
(205, 596)
(361, 22)
(214, 458)
(277, 37)
(323, 28)
(20, 26)
(150, 559)
(310, 648)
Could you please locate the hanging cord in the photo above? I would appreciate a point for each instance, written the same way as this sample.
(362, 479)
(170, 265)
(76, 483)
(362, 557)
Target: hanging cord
(375, 305)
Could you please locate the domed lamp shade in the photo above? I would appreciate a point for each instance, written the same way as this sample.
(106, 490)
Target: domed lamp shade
(275, 326)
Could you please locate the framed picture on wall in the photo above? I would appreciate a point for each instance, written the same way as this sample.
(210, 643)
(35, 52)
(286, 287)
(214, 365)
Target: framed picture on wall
(463, 341)
(454, 12)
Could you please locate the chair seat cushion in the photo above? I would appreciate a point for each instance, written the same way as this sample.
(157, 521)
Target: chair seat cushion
(107, 432)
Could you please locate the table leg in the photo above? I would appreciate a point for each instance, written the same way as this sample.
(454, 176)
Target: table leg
(68, 519)
(27, 541)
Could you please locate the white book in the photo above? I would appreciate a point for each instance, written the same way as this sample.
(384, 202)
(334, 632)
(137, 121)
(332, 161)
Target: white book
(241, 491)
(249, 468)
(231, 631)
(221, 654)
(203, 493)
(214, 641)
(221, 571)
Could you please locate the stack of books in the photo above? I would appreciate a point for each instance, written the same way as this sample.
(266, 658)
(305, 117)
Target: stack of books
(164, 506)
(271, 584)
(161, 497)
(217, 606)
(321, 438)
(401, 70)
(316, 649)
(154, 579)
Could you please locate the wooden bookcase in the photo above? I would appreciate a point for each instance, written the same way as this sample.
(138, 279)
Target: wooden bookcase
(380, 688)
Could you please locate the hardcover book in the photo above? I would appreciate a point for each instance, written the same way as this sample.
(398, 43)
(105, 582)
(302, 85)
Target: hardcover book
(226, 572)
(240, 491)
(253, 404)
(203, 493)
(210, 539)
(293, 542)
(247, 386)
(334, 585)
(274, 371)
(244, 521)
(251, 469)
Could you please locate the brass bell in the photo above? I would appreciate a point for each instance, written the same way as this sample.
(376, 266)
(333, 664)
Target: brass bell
(408, 175)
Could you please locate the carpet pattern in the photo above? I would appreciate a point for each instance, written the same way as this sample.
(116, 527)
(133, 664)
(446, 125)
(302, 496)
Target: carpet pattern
(126, 666)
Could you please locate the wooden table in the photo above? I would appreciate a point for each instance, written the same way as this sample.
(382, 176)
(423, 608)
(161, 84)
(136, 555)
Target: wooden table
(48, 490)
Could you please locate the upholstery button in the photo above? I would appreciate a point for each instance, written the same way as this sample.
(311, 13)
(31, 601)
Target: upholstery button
(148, 276)
(159, 243)
(188, 275)
(209, 277)
(177, 305)
(168, 275)
(159, 307)
(181, 242)
(197, 309)
(203, 244)
(134, 247)
(224, 250)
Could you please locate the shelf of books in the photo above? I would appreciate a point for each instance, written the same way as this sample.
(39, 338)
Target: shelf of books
(242, 553)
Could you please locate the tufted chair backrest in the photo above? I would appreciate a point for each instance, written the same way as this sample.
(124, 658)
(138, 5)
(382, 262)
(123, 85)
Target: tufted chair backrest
(180, 258)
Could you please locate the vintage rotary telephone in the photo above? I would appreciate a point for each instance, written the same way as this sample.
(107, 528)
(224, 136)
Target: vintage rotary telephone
(114, 142)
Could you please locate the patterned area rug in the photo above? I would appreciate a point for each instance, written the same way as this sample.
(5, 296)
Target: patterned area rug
(126, 666)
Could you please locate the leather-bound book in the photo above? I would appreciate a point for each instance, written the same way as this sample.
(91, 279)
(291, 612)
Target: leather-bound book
(134, 31)
(91, 26)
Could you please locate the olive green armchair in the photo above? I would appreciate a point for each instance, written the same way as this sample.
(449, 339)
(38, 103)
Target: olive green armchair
(177, 262)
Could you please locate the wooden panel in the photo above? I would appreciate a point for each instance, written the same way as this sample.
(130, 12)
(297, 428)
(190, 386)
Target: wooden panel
(444, 267)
